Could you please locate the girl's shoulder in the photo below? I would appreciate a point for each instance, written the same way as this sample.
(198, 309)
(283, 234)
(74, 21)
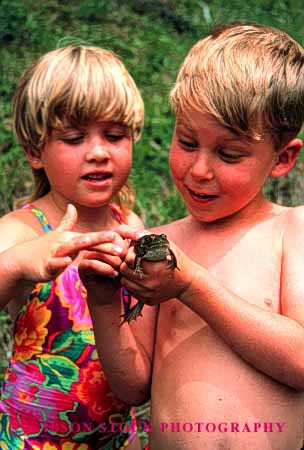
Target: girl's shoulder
(18, 226)
(134, 221)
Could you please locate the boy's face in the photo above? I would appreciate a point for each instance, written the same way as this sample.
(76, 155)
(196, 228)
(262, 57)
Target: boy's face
(217, 173)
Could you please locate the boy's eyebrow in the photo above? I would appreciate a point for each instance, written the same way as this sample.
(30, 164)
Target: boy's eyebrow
(233, 136)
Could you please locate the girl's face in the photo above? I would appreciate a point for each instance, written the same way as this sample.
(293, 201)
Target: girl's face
(217, 172)
(88, 166)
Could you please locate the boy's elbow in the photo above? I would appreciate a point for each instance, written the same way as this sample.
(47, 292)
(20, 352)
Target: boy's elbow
(133, 397)
(297, 372)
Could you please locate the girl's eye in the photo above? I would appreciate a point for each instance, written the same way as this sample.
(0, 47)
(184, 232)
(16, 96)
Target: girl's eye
(229, 157)
(73, 140)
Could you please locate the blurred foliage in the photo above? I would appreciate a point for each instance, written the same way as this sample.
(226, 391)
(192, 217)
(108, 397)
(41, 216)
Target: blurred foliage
(152, 39)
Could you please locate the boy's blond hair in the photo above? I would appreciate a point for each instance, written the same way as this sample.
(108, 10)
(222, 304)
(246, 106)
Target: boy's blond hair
(249, 77)
(74, 85)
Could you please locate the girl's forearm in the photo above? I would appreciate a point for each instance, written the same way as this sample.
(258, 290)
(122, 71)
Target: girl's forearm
(124, 362)
(267, 340)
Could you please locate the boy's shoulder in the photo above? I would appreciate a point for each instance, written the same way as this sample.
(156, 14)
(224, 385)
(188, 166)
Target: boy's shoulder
(294, 221)
(173, 229)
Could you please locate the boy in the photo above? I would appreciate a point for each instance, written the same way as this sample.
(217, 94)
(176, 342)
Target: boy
(228, 357)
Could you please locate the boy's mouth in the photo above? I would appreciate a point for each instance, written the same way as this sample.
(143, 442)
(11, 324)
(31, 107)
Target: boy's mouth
(202, 196)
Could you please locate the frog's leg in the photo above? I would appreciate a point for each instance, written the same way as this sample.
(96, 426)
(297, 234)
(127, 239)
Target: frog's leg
(172, 263)
(133, 313)
(137, 268)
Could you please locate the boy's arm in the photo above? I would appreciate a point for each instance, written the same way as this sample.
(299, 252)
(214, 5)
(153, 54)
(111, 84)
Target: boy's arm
(125, 351)
(270, 342)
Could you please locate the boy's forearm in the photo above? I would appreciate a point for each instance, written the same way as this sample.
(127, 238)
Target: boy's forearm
(124, 362)
(12, 284)
(268, 341)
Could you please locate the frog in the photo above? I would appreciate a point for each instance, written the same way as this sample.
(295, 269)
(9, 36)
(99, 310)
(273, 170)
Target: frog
(151, 247)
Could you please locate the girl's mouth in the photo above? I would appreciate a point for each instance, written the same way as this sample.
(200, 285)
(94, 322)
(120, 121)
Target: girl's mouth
(97, 176)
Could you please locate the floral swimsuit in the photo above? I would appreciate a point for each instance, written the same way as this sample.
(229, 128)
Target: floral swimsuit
(55, 395)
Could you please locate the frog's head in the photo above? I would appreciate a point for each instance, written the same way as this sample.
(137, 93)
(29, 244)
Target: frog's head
(150, 241)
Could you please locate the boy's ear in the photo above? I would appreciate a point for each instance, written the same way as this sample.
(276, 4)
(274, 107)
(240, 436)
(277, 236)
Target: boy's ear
(286, 158)
(33, 158)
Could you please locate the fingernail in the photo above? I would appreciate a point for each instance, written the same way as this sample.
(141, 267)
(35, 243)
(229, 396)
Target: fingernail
(114, 274)
(142, 233)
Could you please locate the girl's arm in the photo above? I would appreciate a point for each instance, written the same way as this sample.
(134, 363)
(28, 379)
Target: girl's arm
(26, 258)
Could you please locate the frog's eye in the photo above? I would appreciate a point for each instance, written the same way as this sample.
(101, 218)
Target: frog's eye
(148, 239)
(163, 236)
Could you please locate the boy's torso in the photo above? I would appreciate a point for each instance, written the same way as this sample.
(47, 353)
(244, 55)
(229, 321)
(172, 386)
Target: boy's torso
(204, 395)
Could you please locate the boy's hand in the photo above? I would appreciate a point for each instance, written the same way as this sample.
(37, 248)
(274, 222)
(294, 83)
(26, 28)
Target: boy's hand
(158, 282)
(44, 258)
(99, 263)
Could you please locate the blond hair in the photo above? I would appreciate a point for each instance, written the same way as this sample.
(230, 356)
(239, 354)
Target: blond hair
(249, 77)
(74, 85)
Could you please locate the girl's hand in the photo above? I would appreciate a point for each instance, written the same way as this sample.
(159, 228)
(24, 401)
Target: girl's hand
(44, 258)
(159, 282)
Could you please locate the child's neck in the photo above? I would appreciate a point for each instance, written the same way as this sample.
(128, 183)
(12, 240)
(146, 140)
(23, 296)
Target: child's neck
(257, 212)
(89, 219)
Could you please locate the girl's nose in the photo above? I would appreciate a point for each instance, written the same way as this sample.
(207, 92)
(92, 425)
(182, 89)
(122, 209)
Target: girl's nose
(202, 168)
(97, 151)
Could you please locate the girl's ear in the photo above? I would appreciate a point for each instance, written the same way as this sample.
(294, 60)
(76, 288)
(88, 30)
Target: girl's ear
(33, 158)
(286, 158)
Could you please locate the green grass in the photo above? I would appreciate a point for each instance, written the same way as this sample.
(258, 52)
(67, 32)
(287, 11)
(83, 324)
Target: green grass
(152, 38)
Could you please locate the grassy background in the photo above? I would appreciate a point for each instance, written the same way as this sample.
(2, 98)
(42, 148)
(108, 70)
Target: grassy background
(152, 38)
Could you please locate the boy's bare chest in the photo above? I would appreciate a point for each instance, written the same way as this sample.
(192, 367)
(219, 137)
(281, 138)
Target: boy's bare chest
(247, 263)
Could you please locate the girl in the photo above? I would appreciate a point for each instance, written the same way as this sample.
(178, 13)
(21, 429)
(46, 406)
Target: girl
(77, 113)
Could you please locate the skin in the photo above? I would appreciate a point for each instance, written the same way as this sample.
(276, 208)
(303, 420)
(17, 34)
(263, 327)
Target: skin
(230, 323)
(76, 209)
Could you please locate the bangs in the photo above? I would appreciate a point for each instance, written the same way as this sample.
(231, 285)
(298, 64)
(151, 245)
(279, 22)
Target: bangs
(75, 86)
(93, 91)
(248, 78)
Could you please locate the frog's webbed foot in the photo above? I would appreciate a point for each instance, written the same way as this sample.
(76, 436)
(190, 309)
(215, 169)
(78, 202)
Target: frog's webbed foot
(133, 313)
(138, 271)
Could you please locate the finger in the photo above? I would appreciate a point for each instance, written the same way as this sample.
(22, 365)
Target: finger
(134, 289)
(84, 241)
(57, 265)
(114, 261)
(89, 267)
(109, 249)
(130, 233)
(69, 219)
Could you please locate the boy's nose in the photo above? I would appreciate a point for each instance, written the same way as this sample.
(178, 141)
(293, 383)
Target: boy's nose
(202, 168)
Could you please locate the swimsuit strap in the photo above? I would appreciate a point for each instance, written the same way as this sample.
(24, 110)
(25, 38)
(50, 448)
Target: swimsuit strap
(116, 213)
(40, 216)
(46, 225)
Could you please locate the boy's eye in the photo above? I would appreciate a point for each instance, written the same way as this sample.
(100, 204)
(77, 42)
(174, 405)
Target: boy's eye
(228, 156)
(114, 137)
(187, 144)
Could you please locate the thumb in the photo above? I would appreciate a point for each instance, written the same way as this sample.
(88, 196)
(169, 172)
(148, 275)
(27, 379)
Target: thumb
(69, 219)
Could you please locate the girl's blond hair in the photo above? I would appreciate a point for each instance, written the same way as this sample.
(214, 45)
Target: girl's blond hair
(249, 77)
(74, 85)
